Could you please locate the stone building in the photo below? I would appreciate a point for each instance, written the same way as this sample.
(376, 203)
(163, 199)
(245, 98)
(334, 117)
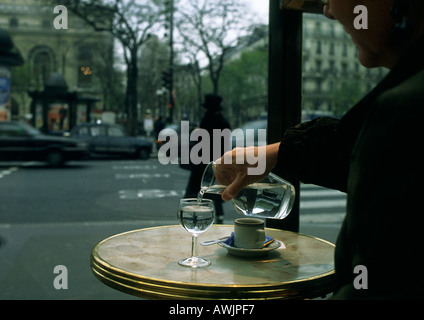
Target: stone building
(333, 79)
(74, 52)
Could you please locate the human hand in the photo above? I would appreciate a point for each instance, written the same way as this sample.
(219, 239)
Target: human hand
(234, 169)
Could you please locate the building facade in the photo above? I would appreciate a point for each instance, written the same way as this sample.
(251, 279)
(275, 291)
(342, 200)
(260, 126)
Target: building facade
(333, 79)
(47, 49)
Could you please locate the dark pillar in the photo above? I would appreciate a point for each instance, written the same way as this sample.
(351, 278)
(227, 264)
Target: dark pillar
(72, 114)
(89, 109)
(284, 95)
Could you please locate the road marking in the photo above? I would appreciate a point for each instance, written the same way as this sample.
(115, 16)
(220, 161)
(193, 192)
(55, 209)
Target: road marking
(321, 193)
(322, 218)
(141, 175)
(6, 172)
(135, 167)
(149, 194)
(309, 204)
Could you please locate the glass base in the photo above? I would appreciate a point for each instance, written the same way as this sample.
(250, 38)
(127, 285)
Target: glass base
(194, 262)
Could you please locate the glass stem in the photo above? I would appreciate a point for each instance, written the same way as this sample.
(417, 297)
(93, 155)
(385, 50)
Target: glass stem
(194, 245)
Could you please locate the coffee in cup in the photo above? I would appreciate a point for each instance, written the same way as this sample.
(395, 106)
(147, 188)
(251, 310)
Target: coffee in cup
(249, 233)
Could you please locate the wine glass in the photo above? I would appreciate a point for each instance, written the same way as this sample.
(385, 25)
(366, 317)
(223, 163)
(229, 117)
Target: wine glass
(196, 216)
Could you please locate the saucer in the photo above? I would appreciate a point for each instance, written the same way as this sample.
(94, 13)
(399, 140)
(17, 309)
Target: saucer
(249, 253)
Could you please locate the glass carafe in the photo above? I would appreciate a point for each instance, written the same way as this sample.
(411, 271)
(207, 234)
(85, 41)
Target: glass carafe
(272, 197)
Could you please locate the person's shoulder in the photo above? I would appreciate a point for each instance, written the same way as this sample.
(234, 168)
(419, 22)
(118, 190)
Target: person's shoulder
(399, 111)
(407, 95)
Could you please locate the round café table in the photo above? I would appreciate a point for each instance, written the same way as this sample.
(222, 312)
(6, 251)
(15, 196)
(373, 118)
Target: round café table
(144, 263)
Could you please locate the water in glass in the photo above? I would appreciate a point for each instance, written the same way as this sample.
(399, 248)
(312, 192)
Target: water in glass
(195, 216)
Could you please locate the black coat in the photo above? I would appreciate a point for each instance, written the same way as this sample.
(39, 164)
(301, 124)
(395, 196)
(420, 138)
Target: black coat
(374, 153)
(211, 120)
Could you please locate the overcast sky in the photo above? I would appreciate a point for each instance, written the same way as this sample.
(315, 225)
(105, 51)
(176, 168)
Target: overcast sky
(261, 8)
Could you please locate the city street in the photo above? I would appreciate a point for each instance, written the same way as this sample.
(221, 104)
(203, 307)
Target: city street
(54, 216)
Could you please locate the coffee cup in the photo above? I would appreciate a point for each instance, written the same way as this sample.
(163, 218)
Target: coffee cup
(249, 233)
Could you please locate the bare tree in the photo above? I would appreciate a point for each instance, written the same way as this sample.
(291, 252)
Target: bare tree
(154, 56)
(211, 29)
(110, 78)
(131, 22)
(195, 72)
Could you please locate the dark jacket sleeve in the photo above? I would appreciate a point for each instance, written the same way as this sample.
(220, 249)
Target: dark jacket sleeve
(315, 152)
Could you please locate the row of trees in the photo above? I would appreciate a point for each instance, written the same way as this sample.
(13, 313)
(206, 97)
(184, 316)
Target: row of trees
(242, 83)
(202, 35)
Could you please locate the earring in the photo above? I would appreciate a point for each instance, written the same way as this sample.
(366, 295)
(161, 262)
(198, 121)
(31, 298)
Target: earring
(400, 14)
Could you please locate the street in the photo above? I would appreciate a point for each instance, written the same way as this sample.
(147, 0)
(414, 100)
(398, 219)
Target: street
(54, 216)
(91, 191)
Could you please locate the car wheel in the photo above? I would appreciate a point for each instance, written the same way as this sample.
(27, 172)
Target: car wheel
(143, 154)
(54, 158)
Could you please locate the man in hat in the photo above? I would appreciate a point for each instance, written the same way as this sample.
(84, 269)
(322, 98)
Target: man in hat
(213, 119)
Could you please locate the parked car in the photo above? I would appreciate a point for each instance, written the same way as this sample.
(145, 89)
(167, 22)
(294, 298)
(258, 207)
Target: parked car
(110, 139)
(21, 142)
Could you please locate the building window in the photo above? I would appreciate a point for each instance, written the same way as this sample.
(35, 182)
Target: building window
(13, 22)
(344, 68)
(319, 86)
(319, 49)
(331, 50)
(42, 59)
(318, 27)
(344, 50)
(332, 33)
(318, 65)
(42, 68)
(331, 66)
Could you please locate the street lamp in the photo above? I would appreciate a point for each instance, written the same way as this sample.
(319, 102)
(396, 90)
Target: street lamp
(171, 104)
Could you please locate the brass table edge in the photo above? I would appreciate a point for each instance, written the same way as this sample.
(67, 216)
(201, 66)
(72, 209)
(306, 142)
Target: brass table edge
(164, 291)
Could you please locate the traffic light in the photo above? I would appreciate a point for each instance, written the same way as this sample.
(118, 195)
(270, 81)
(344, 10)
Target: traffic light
(167, 79)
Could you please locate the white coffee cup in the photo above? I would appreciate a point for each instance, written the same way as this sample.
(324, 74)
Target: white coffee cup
(249, 233)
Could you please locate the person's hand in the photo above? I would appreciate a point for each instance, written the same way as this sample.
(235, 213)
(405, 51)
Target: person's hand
(236, 169)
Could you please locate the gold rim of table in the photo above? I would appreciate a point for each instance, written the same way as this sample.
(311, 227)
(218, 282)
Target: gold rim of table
(157, 288)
